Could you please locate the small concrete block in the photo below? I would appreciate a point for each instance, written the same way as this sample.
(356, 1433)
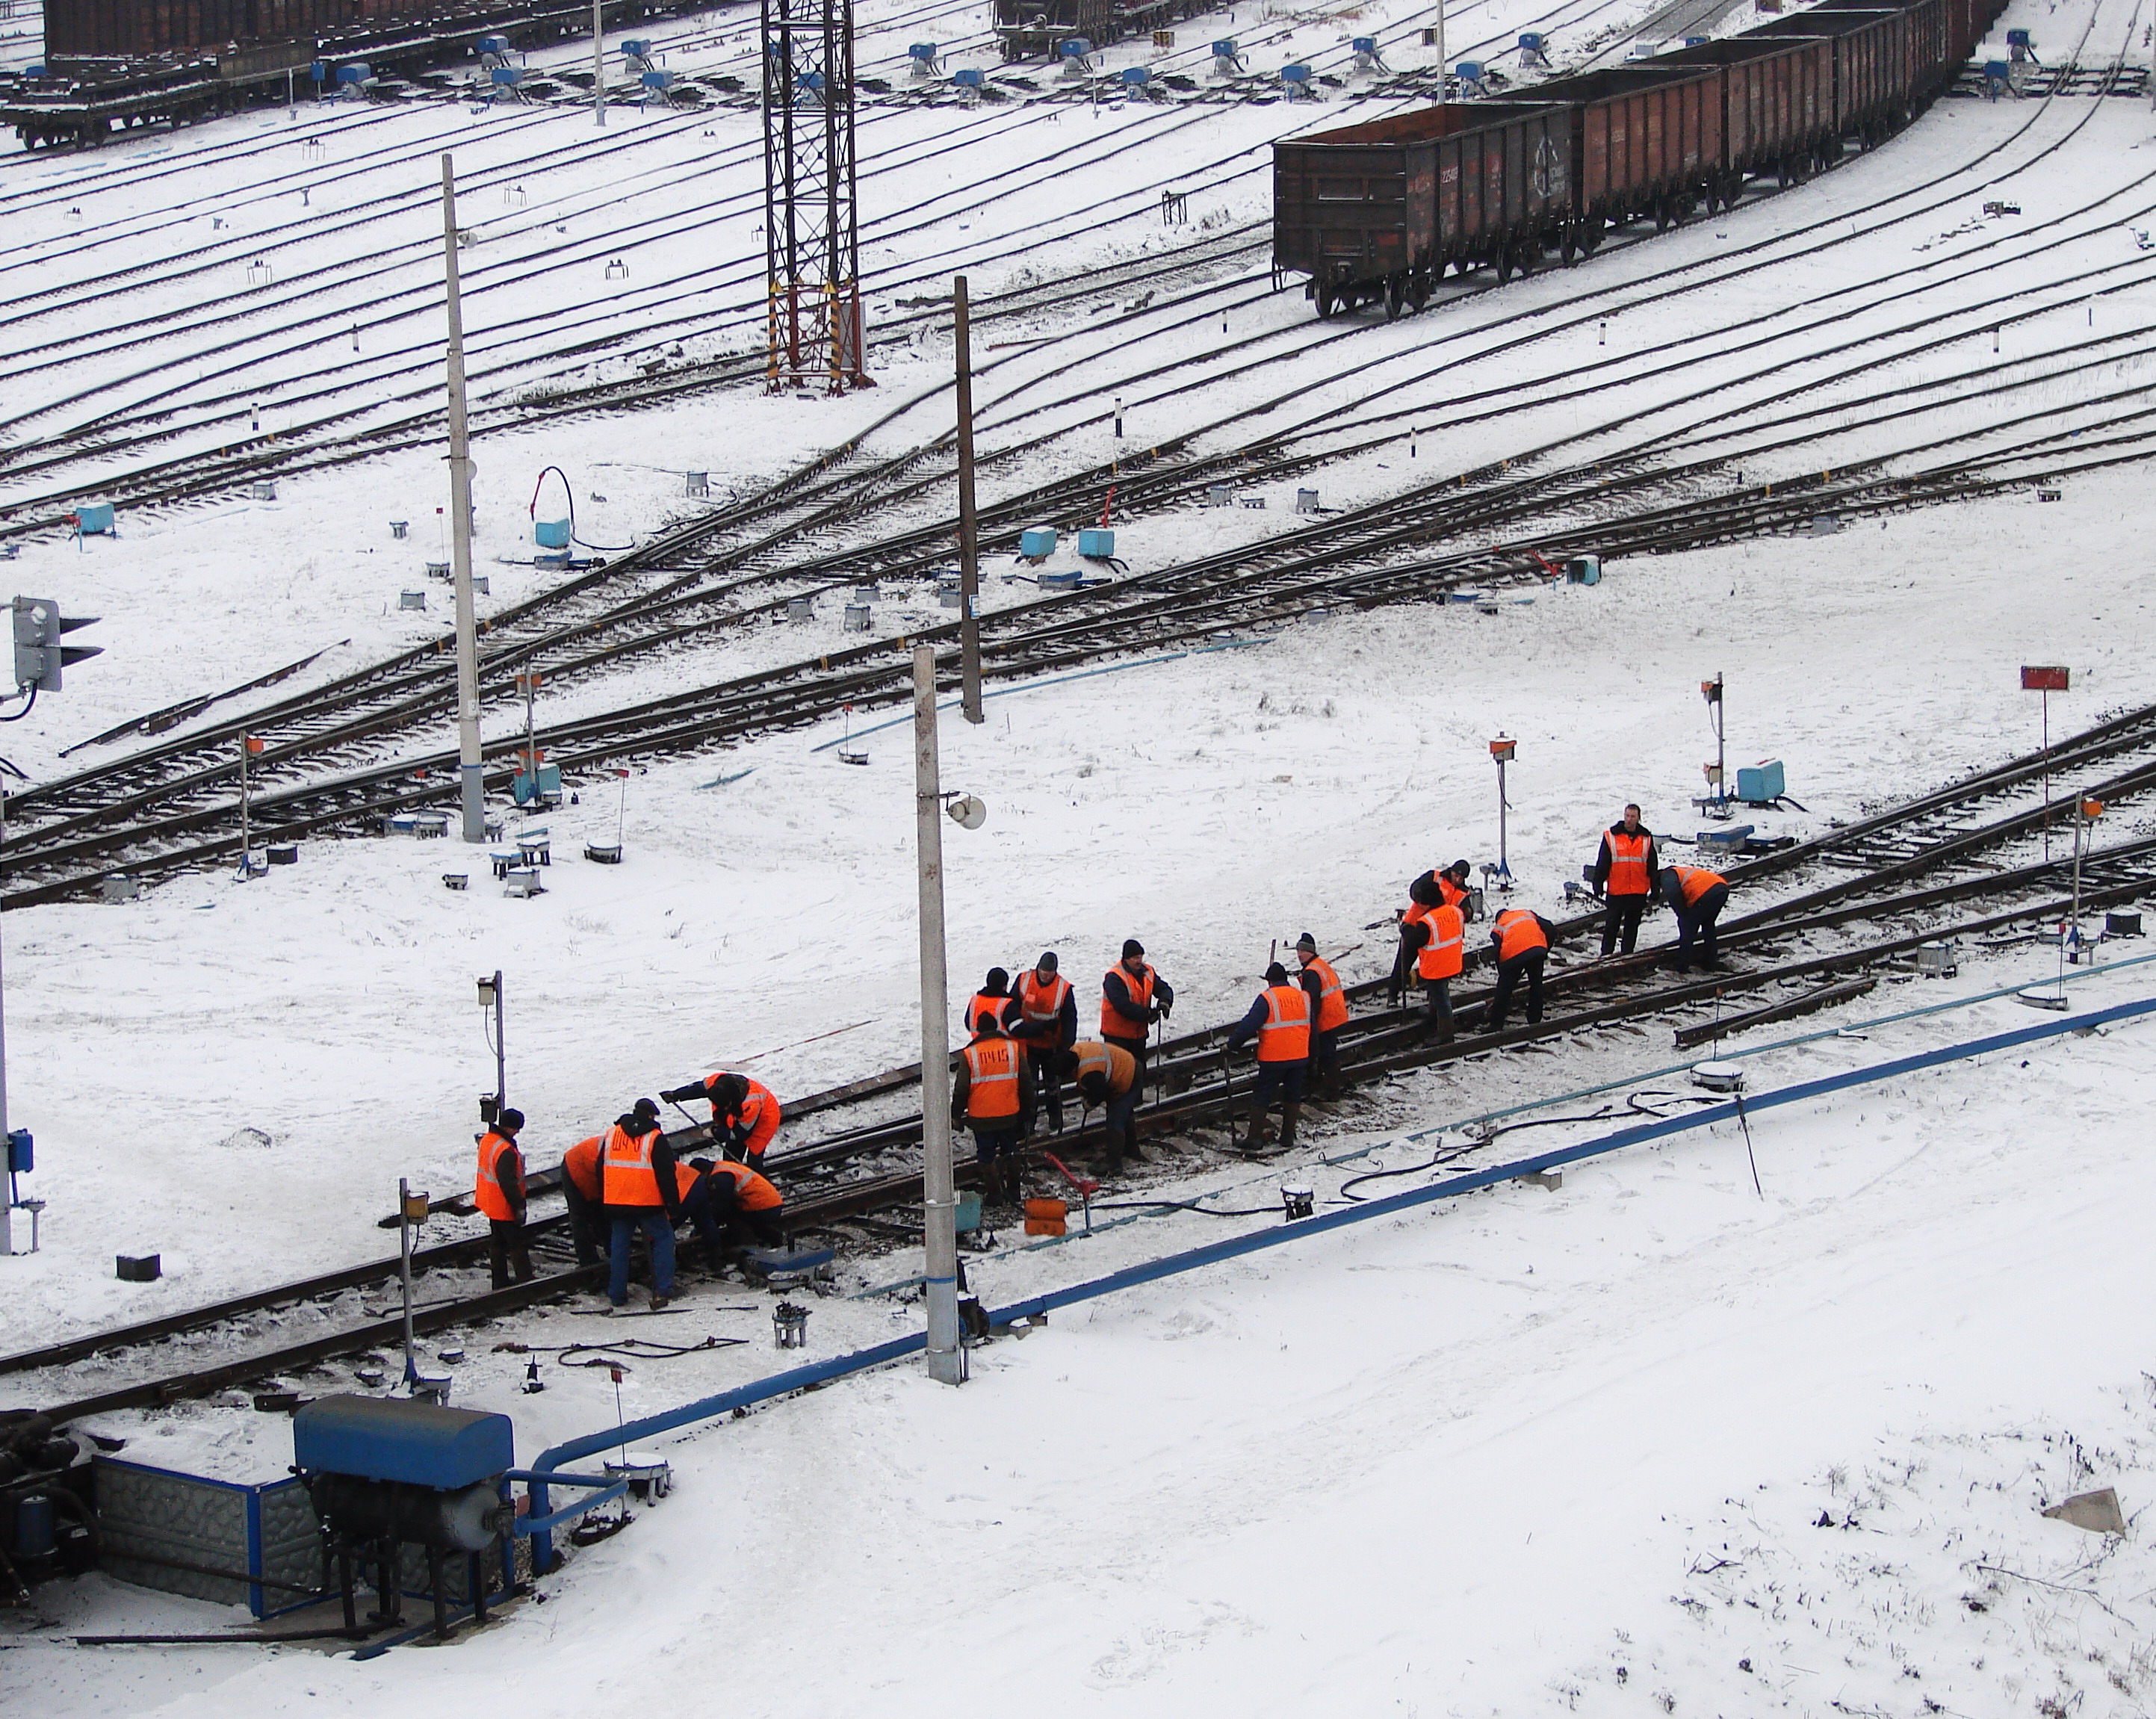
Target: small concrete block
(2096, 1512)
(1551, 1179)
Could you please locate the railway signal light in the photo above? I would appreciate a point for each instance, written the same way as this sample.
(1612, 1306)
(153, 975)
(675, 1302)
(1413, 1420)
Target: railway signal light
(39, 655)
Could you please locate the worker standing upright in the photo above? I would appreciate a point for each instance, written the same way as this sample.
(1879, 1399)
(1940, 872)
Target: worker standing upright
(993, 1094)
(1624, 871)
(1280, 1020)
(1522, 940)
(1329, 998)
(1697, 896)
(1433, 945)
(993, 997)
(745, 1113)
(637, 1181)
(581, 1191)
(1133, 997)
(1106, 1074)
(501, 1196)
(1045, 1025)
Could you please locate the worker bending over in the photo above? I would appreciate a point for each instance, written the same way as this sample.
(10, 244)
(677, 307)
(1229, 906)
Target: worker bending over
(1045, 1025)
(745, 1113)
(501, 1196)
(1328, 999)
(1522, 940)
(1106, 1074)
(731, 1207)
(993, 1094)
(1133, 997)
(637, 1181)
(1433, 945)
(1624, 871)
(581, 1191)
(1697, 896)
(1280, 1020)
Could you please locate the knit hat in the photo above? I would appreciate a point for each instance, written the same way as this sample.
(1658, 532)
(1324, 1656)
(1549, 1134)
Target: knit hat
(1275, 974)
(509, 1122)
(1461, 866)
(1046, 964)
(1307, 941)
(999, 983)
(1132, 946)
(645, 1109)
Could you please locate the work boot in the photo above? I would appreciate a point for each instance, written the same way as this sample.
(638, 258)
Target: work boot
(1290, 1114)
(1131, 1144)
(659, 1302)
(993, 1189)
(1261, 1133)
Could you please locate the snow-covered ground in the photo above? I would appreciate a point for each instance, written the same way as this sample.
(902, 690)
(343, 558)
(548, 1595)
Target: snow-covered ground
(1528, 1452)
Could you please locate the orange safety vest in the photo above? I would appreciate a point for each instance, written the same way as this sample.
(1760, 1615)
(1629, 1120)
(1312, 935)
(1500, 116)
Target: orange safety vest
(1517, 932)
(1041, 1004)
(756, 1192)
(1332, 1003)
(1628, 864)
(628, 1177)
(493, 1198)
(1117, 1063)
(1448, 892)
(1285, 1035)
(1444, 954)
(1696, 883)
(980, 1001)
(759, 1110)
(1139, 989)
(581, 1165)
(993, 1092)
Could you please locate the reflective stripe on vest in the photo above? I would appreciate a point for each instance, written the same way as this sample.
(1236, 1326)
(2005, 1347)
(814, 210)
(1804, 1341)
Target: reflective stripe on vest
(1628, 864)
(1112, 1061)
(981, 1002)
(1696, 883)
(1517, 932)
(760, 1114)
(1331, 1003)
(992, 1066)
(1140, 990)
(1450, 894)
(1285, 1035)
(492, 1197)
(756, 1192)
(1041, 1003)
(581, 1165)
(628, 1177)
(1444, 954)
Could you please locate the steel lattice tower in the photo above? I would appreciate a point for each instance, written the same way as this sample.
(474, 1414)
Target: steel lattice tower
(811, 237)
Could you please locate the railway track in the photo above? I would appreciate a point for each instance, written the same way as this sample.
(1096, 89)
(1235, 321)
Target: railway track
(1950, 865)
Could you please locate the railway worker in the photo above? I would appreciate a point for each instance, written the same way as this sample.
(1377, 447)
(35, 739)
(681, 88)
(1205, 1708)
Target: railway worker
(637, 1184)
(1522, 941)
(731, 1206)
(994, 998)
(993, 1094)
(745, 1113)
(1046, 1024)
(1280, 1020)
(1452, 885)
(1624, 872)
(1434, 944)
(1697, 895)
(501, 1196)
(1328, 1000)
(580, 1190)
(1133, 997)
(1106, 1074)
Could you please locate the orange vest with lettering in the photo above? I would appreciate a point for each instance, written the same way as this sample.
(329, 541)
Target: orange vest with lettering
(628, 1177)
(991, 1092)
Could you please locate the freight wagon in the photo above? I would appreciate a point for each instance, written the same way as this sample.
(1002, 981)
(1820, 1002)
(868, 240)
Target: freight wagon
(1031, 29)
(1373, 213)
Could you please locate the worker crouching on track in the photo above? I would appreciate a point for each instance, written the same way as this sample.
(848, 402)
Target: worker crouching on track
(732, 1207)
(1328, 1000)
(1697, 897)
(1280, 1020)
(637, 1182)
(1522, 940)
(1433, 946)
(1624, 871)
(1133, 997)
(992, 1094)
(1106, 1074)
(581, 1191)
(745, 1113)
(501, 1197)
(1046, 1025)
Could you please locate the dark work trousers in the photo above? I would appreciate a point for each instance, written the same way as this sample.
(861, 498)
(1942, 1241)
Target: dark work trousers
(1326, 1062)
(996, 1140)
(721, 1224)
(1621, 923)
(658, 1225)
(507, 1251)
(1440, 993)
(1046, 1082)
(587, 1224)
(1696, 921)
(1509, 972)
(1279, 1079)
(1137, 1047)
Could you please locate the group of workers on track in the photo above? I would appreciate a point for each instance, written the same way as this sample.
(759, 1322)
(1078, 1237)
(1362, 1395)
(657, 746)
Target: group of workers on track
(1022, 1046)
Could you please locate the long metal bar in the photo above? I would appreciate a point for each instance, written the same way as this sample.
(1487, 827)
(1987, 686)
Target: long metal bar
(939, 1196)
(969, 538)
(598, 64)
(470, 768)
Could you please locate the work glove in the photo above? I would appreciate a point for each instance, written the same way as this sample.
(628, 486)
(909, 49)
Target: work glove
(1598, 892)
(680, 1093)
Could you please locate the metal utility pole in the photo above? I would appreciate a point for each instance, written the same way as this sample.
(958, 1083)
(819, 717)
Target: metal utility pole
(969, 543)
(406, 1218)
(599, 63)
(1502, 750)
(1438, 30)
(491, 997)
(470, 768)
(940, 1201)
(811, 236)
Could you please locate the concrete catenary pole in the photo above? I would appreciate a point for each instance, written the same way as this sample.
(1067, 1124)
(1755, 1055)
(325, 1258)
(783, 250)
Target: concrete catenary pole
(599, 63)
(969, 539)
(938, 1188)
(470, 768)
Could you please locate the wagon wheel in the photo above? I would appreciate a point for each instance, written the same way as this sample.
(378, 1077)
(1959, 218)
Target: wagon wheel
(1530, 255)
(1419, 286)
(1504, 263)
(1568, 245)
(1396, 297)
(1324, 301)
